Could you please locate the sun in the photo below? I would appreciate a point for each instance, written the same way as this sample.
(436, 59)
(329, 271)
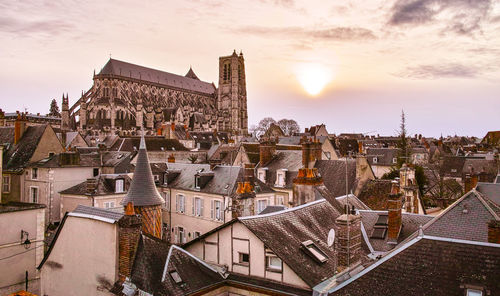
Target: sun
(313, 77)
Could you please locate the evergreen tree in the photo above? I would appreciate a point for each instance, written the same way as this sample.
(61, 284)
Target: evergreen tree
(403, 142)
(54, 109)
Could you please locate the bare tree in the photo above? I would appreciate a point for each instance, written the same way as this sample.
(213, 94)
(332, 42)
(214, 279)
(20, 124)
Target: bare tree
(264, 125)
(289, 126)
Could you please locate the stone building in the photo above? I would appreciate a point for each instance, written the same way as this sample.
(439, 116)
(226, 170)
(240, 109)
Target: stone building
(125, 97)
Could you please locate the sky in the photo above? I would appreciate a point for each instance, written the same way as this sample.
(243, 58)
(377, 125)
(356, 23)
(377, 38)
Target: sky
(352, 65)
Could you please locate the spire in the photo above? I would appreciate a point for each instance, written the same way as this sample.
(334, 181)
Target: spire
(142, 191)
(191, 74)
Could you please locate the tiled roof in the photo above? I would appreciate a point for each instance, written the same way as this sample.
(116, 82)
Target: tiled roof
(105, 186)
(429, 266)
(489, 167)
(452, 166)
(410, 224)
(18, 155)
(283, 232)
(333, 173)
(272, 209)
(128, 70)
(13, 206)
(384, 156)
(153, 144)
(284, 159)
(97, 212)
(142, 191)
(6, 135)
(374, 194)
(467, 219)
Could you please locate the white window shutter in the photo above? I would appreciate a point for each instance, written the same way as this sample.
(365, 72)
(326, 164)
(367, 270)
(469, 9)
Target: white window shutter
(212, 209)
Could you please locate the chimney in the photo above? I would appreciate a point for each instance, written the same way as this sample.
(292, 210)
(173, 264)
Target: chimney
(394, 205)
(129, 231)
(494, 232)
(474, 179)
(267, 148)
(468, 183)
(349, 238)
(91, 186)
(19, 127)
(171, 158)
(249, 173)
(360, 147)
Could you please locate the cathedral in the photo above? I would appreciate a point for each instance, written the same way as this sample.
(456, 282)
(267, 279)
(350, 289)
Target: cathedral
(126, 97)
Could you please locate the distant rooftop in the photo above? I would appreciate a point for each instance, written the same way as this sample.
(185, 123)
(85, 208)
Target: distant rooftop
(14, 206)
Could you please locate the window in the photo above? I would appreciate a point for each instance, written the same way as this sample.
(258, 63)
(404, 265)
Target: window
(34, 173)
(6, 183)
(244, 258)
(180, 203)
(181, 238)
(156, 178)
(474, 292)
(51, 154)
(261, 175)
(395, 160)
(95, 172)
(119, 186)
(280, 178)
(375, 159)
(196, 234)
(197, 207)
(109, 204)
(166, 196)
(273, 263)
(312, 250)
(197, 182)
(176, 277)
(261, 205)
(34, 194)
(279, 200)
(328, 155)
(216, 210)
(453, 170)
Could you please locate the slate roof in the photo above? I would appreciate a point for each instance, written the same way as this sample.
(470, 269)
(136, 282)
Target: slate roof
(272, 209)
(98, 212)
(333, 173)
(352, 200)
(18, 155)
(430, 266)
(410, 224)
(297, 140)
(452, 166)
(224, 179)
(467, 219)
(105, 186)
(384, 156)
(70, 136)
(128, 70)
(283, 232)
(6, 135)
(374, 194)
(142, 191)
(224, 153)
(490, 167)
(284, 159)
(153, 144)
(491, 193)
(14, 206)
(497, 180)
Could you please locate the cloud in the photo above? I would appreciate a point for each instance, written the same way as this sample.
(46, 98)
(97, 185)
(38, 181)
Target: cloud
(23, 27)
(332, 33)
(459, 16)
(436, 71)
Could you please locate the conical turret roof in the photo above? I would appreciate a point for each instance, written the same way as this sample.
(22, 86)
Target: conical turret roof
(142, 191)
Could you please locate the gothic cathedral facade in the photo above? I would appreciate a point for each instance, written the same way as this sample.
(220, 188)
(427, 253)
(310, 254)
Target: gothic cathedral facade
(126, 97)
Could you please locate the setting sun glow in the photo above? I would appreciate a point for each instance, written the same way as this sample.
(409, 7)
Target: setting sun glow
(313, 77)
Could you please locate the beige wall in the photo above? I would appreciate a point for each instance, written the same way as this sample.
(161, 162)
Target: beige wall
(50, 182)
(70, 202)
(223, 248)
(380, 170)
(48, 143)
(12, 270)
(83, 260)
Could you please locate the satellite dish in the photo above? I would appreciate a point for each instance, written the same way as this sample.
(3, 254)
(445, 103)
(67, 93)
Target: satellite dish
(331, 237)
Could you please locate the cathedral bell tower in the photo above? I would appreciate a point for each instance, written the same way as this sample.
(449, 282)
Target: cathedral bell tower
(65, 113)
(144, 196)
(232, 95)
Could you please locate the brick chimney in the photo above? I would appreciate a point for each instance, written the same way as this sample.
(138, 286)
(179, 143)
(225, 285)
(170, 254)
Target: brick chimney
(91, 186)
(267, 149)
(468, 183)
(19, 127)
(394, 205)
(360, 147)
(249, 173)
(494, 232)
(129, 231)
(349, 238)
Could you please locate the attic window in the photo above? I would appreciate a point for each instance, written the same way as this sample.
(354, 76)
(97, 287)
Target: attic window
(312, 250)
(375, 159)
(197, 182)
(176, 277)
(474, 292)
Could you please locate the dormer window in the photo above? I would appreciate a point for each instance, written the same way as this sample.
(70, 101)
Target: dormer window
(197, 182)
(474, 292)
(394, 160)
(261, 174)
(375, 160)
(273, 262)
(312, 250)
(34, 173)
(281, 178)
(119, 185)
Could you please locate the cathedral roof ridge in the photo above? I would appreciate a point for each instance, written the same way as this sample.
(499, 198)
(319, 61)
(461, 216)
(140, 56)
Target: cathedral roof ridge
(129, 70)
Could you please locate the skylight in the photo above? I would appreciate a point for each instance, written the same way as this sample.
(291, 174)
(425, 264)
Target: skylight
(314, 251)
(176, 277)
(380, 228)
